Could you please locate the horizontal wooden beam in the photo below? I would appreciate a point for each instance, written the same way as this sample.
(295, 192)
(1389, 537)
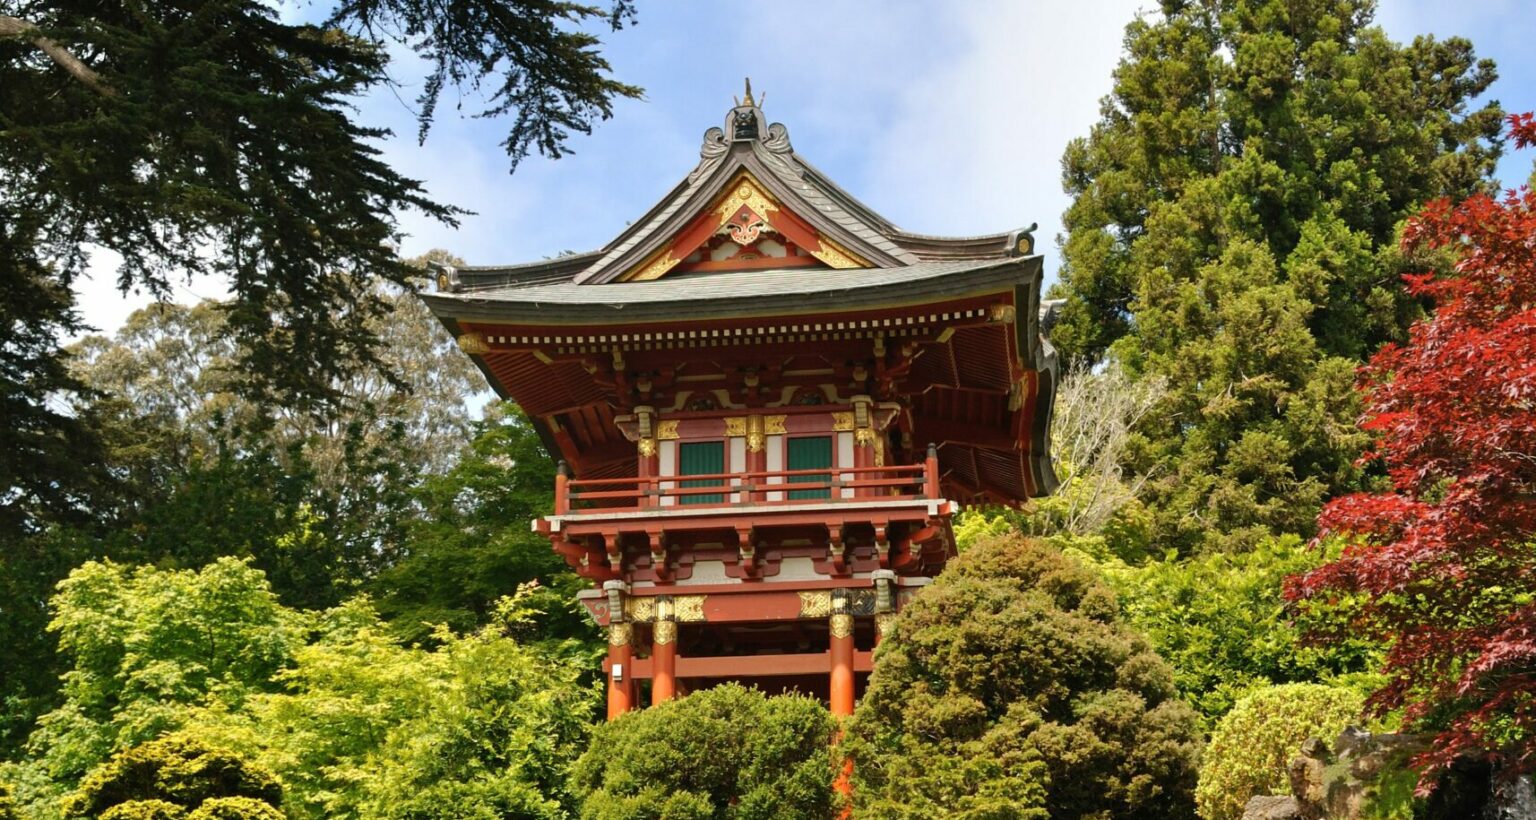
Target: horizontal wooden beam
(749, 666)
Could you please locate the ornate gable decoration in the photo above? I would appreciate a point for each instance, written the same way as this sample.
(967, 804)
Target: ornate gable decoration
(745, 228)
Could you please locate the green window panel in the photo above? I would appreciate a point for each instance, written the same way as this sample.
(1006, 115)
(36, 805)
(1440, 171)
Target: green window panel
(810, 453)
(701, 458)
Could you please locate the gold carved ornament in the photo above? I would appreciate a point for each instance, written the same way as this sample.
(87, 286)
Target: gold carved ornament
(474, 344)
(620, 634)
(666, 430)
(688, 608)
(647, 447)
(664, 632)
(640, 608)
(815, 604)
(842, 421)
(773, 425)
(864, 437)
(841, 625)
(883, 623)
(744, 191)
(755, 437)
(736, 426)
(658, 265)
(836, 257)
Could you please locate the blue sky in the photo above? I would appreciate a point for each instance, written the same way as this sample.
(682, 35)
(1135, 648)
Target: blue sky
(946, 117)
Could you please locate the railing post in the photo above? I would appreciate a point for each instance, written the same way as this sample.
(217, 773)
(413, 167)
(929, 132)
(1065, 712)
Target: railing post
(931, 472)
(562, 489)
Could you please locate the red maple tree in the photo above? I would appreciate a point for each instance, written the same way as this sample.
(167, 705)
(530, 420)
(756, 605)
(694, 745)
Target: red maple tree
(1444, 564)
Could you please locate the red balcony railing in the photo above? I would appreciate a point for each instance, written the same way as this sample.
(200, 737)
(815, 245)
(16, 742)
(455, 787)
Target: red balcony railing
(770, 487)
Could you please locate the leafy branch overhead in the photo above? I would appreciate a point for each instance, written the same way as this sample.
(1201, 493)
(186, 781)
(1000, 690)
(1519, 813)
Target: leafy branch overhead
(216, 138)
(550, 79)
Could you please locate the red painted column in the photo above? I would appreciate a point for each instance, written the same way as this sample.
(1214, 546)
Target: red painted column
(757, 454)
(648, 468)
(841, 627)
(663, 660)
(648, 464)
(864, 456)
(621, 686)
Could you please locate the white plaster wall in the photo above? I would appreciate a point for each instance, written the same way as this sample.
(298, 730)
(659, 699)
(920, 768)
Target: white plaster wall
(667, 451)
(775, 451)
(845, 459)
(737, 461)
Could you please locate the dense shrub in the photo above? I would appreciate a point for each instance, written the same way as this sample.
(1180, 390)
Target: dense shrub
(1252, 747)
(726, 752)
(1222, 623)
(173, 777)
(1010, 689)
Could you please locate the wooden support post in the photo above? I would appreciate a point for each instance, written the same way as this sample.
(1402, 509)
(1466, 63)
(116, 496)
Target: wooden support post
(931, 472)
(663, 659)
(648, 465)
(757, 455)
(562, 489)
(841, 625)
(621, 684)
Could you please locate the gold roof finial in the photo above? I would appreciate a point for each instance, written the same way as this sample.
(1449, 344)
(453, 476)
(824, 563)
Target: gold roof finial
(748, 101)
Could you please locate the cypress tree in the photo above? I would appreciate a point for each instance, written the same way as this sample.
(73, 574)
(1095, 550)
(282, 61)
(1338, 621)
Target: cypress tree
(1234, 230)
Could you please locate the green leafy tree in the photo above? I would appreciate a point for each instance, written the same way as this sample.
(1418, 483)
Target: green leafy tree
(1233, 231)
(214, 137)
(179, 366)
(363, 727)
(1223, 625)
(1251, 750)
(176, 776)
(146, 647)
(725, 752)
(1010, 688)
(470, 544)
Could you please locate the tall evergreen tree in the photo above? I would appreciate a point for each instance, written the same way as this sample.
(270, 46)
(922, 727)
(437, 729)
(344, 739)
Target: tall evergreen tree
(215, 137)
(1233, 230)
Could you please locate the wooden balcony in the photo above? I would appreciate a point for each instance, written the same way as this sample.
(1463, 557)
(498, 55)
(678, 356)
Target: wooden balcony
(693, 494)
(895, 511)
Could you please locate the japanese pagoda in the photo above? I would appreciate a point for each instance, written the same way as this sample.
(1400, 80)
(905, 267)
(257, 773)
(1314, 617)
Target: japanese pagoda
(768, 403)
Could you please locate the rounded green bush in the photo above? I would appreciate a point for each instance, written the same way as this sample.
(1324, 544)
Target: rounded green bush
(169, 777)
(1251, 750)
(726, 752)
(1009, 689)
(235, 808)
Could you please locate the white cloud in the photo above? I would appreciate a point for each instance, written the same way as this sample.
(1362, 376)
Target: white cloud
(946, 117)
(976, 142)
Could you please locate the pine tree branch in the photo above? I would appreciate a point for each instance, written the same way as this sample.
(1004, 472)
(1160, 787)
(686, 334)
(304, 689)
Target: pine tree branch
(15, 27)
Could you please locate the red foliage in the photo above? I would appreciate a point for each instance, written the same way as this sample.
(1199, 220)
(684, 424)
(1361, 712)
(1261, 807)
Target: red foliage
(1446, 563)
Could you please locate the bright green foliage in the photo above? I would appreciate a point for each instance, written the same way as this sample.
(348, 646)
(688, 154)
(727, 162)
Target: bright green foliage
(1251, 750)
(1234, 231)
(235, 808)
(483, 726)
(726, 752)
(354, 723)
(1221, 623)
(148, 645)
(7, 805)
(470, 543)
(1010, 689)
(178, 773)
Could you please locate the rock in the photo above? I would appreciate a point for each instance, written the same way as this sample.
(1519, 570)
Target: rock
(1265, 807)
(1512, 799)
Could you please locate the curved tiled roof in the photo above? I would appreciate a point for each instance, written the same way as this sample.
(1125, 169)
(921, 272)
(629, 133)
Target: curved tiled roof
(766, 154)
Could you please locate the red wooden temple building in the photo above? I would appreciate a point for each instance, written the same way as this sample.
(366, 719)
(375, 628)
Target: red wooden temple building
(769, 402)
